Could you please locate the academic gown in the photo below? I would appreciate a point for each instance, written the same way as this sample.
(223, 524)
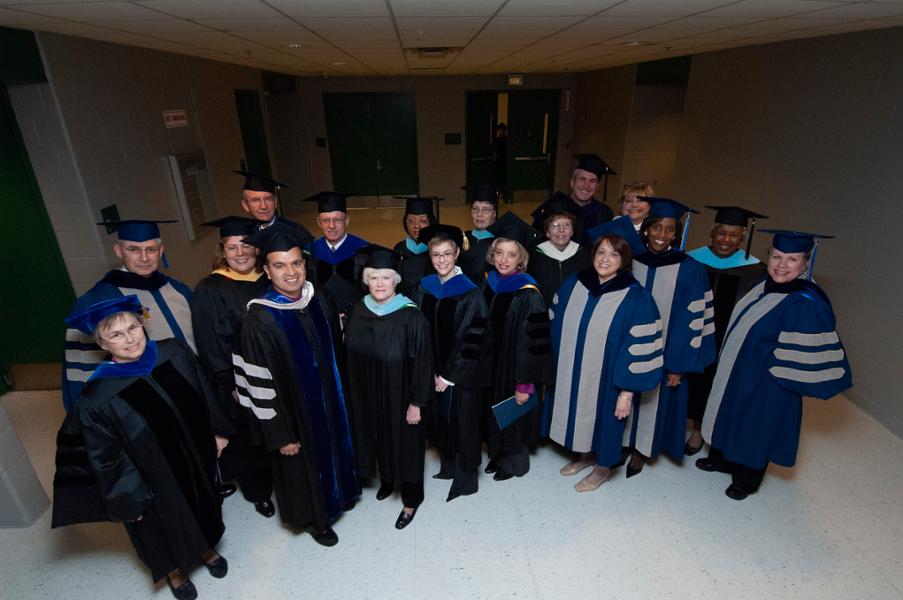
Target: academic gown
(286, 375)
(166, 307)
(413, 267)
(473, 260)
(392, 368)
(457, 317)
(780, 345)
(680, 288)
(143, 446)
(730, 279)
(519, 329)
(217, 306)
(338, 272)
(606, 338)
(549, 268)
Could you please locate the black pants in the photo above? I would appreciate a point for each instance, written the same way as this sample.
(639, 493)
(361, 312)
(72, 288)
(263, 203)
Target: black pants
(516, 462)
(255, 485)
(464, 480)
(743, 476)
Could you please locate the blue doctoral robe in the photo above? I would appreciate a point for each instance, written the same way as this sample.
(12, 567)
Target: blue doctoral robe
(681, 291)
(620, 318)
(781, 344)
(166, 304)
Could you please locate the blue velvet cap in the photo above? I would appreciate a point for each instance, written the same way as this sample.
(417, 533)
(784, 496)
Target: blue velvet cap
(86, 320)
(621, 227)
(136, 230)
(666, 207)
(794, 241)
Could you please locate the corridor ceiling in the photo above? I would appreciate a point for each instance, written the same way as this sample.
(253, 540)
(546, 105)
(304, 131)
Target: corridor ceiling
(455, 37)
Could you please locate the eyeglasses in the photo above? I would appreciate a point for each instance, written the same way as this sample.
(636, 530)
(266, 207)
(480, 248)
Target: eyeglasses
(120, 337)
(481, 211)
(331, 220)
(565, 226)
(258, 200)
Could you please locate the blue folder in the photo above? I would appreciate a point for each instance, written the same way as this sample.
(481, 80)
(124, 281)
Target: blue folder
(508, 411)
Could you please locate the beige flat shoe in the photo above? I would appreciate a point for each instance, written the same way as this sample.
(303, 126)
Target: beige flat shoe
(588, 484)
(574, 467)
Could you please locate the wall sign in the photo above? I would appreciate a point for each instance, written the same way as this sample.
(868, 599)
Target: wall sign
(175, 118)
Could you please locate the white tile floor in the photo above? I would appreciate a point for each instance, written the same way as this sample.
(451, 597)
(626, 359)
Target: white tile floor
(830, 528)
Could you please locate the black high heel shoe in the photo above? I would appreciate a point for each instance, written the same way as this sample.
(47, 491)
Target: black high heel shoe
(691, 450)
(631, 470)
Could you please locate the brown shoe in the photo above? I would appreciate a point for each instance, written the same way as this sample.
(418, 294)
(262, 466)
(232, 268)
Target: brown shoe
(592, 481)
(575, 466)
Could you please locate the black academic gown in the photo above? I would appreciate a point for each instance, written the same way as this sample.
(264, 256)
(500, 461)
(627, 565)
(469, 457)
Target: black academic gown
(473, 260)
(144, 447)
(550, 273)
(728, 286)
(521, 353)
(217, 307)
(341, 278)
(304, 405)
(461, 347)
(392, 368)
(413, 268)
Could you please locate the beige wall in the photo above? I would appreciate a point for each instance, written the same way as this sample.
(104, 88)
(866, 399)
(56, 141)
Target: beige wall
(95, 137)
(440, 105)
(652, 136)
(810, 132)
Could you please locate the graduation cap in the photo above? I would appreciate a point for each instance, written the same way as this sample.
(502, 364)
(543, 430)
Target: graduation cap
(449, 232)
(86, 319)
(230, 226)
(512, 227)
(279, 237)
(329, 201)
(738, 216)
(419, 205)
(482, 192)
(136, 230)
(255, 182)
(380, 257)
(797, 241)
(668, 208)
(595, 165)
(559, 202)
(621, 227)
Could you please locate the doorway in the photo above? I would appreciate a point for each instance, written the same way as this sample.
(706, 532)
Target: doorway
(372, 140)
(253, 133)
(511, 140)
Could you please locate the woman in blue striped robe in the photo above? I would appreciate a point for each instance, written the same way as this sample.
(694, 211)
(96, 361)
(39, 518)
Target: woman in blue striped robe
(600, 308)
(780, 345)
(680, 287)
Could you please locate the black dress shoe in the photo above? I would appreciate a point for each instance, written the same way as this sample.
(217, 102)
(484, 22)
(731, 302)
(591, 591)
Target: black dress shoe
(404, 519)
(502, 475)
(265, 508)
(712, 466)
(186, 591)
(349, 506)
(491, 467)
(327, 537)
(441, 475)
(384, 491)
(226, 489)
(735, 492)
(218, 568)
(691, 450)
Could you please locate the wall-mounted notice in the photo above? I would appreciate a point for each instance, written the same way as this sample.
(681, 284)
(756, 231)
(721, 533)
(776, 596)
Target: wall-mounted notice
(175, 118)
(193, 190)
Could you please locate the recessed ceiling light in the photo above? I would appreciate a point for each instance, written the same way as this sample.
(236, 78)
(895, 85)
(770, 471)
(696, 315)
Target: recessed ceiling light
(338, 63)
(297, 45)
(635, 43)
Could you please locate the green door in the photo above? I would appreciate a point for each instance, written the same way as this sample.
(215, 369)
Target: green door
(372, 143)
(482, 117)
(532, 139)
(37, 293)
(253, 134)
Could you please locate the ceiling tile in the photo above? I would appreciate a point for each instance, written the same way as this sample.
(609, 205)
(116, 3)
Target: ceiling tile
(211, 9)
(331, 8)
(448, 8)
(868, 10)
(544, 8)
(534, 25)
(233, 24)
(340, 23)
(68, 28)
(607, 23)
(769, 8)
(194, 37)
(280, 38)
(435, 38)
(92, 11)
(15, 17)
(356, 34)
(663, 8)
(156, 26)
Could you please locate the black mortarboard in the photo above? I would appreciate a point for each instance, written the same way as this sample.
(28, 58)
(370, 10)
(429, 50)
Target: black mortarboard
(86, 319)
(380, 257)
(444, 231)
(417, 205)
(329, 201)
(667, 207)
(136, 230)
(558, 202)
(482, 192)
(256, 182)
(594, 164)
(787, 240)
(230, 226)
(512, 227)
(279, 237)
(734, 215)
